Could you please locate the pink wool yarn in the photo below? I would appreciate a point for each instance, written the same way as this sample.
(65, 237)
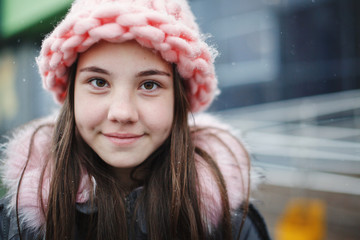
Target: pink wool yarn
(167, 26)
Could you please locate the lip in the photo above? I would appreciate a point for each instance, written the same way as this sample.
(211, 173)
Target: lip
(123, 139)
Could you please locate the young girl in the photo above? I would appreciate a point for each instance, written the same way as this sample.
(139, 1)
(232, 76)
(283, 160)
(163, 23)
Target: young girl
(124, 158)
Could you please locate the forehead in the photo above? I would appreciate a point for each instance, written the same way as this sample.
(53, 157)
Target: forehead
(124, 54)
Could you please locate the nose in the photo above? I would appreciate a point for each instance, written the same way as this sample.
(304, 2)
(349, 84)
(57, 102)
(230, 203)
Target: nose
(123, 108)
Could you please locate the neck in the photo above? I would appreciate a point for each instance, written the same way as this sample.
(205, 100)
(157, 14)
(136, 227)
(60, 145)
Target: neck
(127, 179)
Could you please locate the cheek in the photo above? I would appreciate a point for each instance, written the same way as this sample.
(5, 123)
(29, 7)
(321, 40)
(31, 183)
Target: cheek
(87, 114)
(159, 117)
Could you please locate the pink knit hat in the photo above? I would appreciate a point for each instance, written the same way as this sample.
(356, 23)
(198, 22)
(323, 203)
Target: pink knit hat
(168, 26)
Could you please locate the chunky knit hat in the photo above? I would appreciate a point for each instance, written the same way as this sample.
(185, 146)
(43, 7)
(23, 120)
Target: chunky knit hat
(168, 26)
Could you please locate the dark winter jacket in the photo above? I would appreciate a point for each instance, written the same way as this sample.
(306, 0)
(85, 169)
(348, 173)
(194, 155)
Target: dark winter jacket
(31, 218)
(254, 227)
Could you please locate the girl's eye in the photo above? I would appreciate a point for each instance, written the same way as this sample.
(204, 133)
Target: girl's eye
(98, 83)
(149, 86)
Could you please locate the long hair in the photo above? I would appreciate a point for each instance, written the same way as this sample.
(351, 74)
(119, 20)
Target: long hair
(169, 202)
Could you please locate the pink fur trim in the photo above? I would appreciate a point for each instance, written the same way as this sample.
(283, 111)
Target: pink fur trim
(16, 153)
(235, 170)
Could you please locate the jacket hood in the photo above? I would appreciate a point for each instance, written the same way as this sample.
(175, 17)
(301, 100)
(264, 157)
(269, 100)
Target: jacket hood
(234, 166)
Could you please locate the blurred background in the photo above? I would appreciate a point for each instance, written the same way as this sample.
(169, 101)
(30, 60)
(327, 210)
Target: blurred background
(289, 73)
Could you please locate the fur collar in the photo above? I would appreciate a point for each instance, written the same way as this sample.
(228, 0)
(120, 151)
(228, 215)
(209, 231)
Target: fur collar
(17, 149)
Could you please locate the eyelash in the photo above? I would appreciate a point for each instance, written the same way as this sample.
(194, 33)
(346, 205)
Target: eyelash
(155, 84)
(94, 80)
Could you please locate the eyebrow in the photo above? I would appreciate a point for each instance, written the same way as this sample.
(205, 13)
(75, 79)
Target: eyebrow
(151, 72)
(95, 69)
(145, 73)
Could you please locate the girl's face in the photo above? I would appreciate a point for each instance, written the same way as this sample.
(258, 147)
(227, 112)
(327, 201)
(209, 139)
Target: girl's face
(124, 102)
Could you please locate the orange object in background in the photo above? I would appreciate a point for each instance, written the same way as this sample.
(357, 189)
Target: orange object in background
(303, 219)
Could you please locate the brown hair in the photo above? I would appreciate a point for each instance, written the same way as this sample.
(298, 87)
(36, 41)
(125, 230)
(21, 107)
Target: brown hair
(169, 201)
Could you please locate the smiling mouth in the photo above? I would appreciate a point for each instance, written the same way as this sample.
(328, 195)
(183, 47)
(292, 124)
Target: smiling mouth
(123, 139)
